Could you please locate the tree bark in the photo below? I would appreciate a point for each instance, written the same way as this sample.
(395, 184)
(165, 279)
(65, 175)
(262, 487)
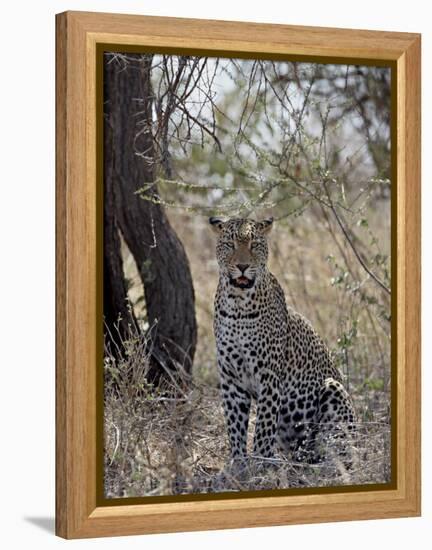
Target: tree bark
(117, 315)
(159, 254)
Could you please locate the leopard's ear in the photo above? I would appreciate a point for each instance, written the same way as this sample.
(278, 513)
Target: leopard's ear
(265, 226)
(216, 223)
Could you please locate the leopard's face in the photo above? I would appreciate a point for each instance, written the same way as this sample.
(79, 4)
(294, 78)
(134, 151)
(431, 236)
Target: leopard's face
(241, 249)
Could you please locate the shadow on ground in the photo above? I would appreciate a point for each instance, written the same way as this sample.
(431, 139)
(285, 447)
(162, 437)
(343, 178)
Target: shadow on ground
(45, 523)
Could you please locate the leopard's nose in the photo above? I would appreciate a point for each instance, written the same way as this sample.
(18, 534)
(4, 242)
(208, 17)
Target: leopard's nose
(242, 267)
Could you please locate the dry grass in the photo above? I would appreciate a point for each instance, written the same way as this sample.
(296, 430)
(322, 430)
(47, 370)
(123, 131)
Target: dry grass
(174, 442)
(176, 446)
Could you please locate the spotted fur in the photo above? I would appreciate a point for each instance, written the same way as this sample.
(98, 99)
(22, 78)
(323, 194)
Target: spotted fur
(268, 352)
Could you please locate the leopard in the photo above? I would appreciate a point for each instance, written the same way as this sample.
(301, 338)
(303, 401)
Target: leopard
(270, 354)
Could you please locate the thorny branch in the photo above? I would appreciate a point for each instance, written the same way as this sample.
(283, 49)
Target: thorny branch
(284, 166)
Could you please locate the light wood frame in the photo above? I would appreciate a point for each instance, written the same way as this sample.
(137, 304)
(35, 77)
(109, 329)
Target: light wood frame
(78, 33)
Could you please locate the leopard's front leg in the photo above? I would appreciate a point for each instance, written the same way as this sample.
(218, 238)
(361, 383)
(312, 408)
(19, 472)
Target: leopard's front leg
(268, 404)
(236, 403)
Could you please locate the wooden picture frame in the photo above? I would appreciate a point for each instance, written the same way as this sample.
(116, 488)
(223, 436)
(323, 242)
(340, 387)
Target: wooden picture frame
(78, 260)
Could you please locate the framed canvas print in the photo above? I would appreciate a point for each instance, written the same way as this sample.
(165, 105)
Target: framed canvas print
(238, 274)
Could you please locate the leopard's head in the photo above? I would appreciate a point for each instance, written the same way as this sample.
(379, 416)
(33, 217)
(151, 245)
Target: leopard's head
(241, 249)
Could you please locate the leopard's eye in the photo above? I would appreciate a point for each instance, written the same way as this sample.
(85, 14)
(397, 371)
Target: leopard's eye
(229, 245)
(254, 245)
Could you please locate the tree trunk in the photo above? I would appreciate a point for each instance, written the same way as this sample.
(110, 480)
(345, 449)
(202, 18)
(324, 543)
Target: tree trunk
(116, 312)
(159, 254)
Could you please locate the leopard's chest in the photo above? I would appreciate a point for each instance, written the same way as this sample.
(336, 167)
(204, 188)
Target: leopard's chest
(242, 336)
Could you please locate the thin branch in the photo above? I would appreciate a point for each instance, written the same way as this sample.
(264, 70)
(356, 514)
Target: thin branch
(350, 242)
